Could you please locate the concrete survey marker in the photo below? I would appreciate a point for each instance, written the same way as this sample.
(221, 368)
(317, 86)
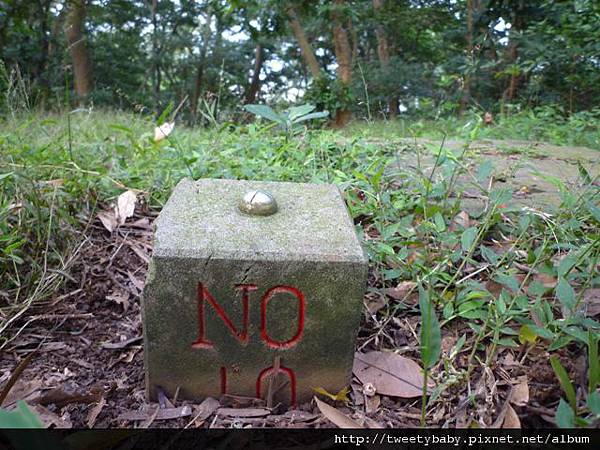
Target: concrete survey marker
(255, 289)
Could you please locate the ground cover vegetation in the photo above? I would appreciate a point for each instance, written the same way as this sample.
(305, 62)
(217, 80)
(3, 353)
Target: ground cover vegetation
(498, 302)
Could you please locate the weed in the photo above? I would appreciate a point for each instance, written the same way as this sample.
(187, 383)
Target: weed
(288, 120)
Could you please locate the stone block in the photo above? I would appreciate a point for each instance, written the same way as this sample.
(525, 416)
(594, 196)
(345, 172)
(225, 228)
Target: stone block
(233, 299)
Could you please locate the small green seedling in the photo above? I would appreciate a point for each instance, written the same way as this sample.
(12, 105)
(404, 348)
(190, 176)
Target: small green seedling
(289, 119)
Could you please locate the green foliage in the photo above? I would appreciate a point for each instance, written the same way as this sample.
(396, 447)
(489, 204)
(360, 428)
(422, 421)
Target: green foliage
(568, 415)
(329, 94)
(21, 417)
(545, 124)
(565, 417)
(431, 336)
(431, 342)
(290, 119)
(206, 50)
(565, 382)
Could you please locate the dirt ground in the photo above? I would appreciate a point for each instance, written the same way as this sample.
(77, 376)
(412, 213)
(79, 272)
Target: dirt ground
(85, 358)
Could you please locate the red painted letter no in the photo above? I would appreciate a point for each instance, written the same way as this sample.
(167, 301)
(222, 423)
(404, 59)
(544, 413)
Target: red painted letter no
(263, 317)
(204, 295)
(242, 335)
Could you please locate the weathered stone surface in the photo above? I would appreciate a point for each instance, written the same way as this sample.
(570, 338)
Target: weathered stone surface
(301, 272)
(524, 167)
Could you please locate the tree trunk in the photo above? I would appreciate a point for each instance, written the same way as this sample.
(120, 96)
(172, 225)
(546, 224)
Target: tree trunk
(514, 77)
(305, 47)
(56, 32)
(255, 82)
(217, 57)
(343, 55)
(43, 13)
(511, 90)
(472, 6)
(156, 69)
(354, 39)
(200, 69)
(82, 69)
(383, 52)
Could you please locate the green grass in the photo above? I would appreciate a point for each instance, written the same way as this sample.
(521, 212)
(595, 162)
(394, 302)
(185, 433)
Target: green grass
(544, 125)
(486, 277)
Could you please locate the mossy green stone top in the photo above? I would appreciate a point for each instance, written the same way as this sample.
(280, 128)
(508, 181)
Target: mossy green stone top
(202, 219)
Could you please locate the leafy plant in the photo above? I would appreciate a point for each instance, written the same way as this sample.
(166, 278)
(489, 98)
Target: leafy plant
(21, 417)
(288, 120)
(431, 341)
(568, 415)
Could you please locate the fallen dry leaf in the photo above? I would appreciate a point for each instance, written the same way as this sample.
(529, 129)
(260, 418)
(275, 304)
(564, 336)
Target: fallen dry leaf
(335, 416)
(591, 301)
(140, 253)
(511, 419)
(125, 206)
(120, 298)
(205, 410)
(448, 343)
(163, 131)
(15, 207)
(158, 413)
(62, 396)
(55, 182)
(163, 400)
(122, 344)
(94, 412)
(243, 412)
(139, 284)
(520, 394)
(124, 209)
(28, 391)
(358, 399)
(401, 291)
(547, 281)
(49, 418)
(374, 303)
(299, 416)
(391, 374)
(461, 220)
(150, 418)
(372, 403)
(373, 423)
(142, 223)
(108, 219)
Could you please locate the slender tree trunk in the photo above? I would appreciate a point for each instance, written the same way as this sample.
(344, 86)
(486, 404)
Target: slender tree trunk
(511, 91)
(200, 69)
(383, 52)
(514, 77)
(82, 68)
(56, 32)
(343, 54)
(305, 47)
(217, 56)
(255, 82)
(43, 13)
(354, 39)
(466, 90)
(156, 69)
